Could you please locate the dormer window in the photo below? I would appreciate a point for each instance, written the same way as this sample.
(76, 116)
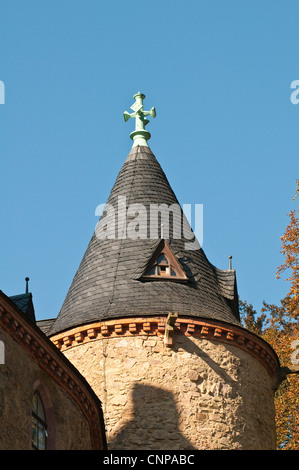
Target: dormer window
(164, 265)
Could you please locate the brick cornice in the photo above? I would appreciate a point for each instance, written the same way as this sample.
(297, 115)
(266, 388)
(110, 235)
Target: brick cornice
(51, 360)
(155, 326)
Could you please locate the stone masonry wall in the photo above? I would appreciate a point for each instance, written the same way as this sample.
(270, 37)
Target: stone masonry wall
(198, 394)
(19, 376)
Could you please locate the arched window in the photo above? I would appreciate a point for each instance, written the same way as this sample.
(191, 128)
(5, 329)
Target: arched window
(39, 425)
(162, 267)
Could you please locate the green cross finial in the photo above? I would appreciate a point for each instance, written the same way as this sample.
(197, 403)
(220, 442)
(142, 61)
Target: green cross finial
(140, 135)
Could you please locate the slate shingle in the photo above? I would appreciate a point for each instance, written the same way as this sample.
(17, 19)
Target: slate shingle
(106, 284)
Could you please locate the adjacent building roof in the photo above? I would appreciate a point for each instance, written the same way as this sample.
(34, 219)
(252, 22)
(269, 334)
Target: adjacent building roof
(109, 283)
(47, 356)
(25, 304)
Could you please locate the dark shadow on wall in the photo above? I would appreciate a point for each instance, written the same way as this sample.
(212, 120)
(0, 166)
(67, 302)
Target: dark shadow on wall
(154, 425)
(155, 418)
(192, 348)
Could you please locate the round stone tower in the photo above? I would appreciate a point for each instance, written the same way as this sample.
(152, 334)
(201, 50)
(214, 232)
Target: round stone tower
(154, 327)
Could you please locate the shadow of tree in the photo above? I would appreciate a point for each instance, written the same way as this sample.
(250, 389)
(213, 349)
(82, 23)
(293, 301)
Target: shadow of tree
(155, 420)
(155, 423)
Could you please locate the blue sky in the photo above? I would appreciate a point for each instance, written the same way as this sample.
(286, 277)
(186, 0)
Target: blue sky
(226, 132)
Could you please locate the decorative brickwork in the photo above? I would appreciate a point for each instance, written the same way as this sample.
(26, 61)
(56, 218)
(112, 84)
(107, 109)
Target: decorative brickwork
(155, 326)
(210, 390)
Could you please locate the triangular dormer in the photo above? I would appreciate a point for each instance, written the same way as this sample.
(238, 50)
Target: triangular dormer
(164, 265)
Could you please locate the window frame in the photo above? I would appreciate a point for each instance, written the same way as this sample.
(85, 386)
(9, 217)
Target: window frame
(164, 250)
(162, 264)
(40, 422)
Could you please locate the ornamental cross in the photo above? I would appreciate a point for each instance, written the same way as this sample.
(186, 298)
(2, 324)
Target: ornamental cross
(140, 135)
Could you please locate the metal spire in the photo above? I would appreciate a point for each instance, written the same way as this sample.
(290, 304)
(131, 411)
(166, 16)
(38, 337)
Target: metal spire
(140, 136)
(27, 280)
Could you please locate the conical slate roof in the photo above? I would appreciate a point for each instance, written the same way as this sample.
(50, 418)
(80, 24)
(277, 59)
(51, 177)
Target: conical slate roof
(109, 284)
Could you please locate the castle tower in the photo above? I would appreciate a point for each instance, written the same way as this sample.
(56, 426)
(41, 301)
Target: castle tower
(154, 327)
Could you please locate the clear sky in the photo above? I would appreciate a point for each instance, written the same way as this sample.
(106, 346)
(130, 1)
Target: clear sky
(226, 132)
